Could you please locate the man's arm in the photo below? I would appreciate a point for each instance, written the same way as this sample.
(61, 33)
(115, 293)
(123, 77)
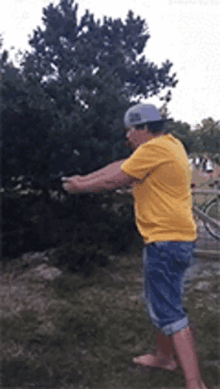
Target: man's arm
(108, 178)
(102, 172)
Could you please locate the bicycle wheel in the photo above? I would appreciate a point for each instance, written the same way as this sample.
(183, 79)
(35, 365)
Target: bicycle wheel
(212, 209)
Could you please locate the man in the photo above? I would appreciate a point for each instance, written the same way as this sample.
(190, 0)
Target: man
(197, 162)
(191, 162)
(160, 173)
(209, 167)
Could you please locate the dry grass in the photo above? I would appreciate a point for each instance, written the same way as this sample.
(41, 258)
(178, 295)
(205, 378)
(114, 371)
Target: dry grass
(80, 332)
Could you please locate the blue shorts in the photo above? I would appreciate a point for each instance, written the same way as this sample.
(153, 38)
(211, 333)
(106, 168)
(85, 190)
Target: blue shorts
(165, 265)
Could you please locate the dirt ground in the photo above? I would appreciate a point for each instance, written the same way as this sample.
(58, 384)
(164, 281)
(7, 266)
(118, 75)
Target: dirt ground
(69, 332)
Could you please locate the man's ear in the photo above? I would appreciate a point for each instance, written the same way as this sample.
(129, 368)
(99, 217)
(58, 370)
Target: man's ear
(147, 128)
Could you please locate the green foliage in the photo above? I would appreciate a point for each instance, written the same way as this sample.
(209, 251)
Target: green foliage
(81, 257)
(88, 246)
(83, 239)
(26, 120)
(62, 114)
(63, 109)
(182, 132)
(27, 225)
(206, 137)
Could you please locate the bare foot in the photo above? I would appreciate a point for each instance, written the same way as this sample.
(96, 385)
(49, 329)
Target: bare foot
(149, 360)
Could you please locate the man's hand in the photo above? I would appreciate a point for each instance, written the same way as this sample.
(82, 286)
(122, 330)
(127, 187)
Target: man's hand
(71, 184)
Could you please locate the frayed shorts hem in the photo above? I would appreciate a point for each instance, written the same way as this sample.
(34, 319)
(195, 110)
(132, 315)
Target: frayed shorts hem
(171, 329)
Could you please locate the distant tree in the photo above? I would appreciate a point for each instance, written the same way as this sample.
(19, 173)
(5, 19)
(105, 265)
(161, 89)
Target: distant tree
(182, 131)
(206, 137)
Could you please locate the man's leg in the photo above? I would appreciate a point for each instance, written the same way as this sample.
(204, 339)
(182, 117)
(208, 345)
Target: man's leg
(182, 344)
(186, 351)
(164, 357)
(164, 269)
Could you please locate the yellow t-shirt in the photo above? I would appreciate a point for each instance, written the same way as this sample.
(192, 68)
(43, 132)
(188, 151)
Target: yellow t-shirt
(163, 199)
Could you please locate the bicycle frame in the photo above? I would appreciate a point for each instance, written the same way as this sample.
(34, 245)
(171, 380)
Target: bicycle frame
(211, 224)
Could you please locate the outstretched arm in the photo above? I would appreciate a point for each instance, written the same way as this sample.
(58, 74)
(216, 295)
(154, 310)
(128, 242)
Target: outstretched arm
(102, 172)
(108, 178)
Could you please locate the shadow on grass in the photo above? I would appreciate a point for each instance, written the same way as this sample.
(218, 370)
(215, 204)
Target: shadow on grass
(93, 329)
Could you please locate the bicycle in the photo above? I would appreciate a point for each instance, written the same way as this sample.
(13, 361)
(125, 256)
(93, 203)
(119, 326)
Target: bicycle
(212, 209)
(209, 211)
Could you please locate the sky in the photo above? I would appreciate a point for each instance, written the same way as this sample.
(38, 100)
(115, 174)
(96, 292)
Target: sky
(186, 32)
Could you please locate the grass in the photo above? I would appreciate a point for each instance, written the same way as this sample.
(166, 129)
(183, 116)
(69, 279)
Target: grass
(78, 332)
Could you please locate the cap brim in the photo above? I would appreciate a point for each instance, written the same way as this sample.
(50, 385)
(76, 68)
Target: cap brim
(160, 121)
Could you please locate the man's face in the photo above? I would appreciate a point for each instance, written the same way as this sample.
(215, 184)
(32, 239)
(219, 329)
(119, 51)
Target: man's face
(137, 137)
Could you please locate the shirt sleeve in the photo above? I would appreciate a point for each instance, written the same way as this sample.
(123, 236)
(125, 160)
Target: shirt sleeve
(144, 160)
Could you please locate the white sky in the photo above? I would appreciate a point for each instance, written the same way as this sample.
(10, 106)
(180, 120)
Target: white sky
(187, 32)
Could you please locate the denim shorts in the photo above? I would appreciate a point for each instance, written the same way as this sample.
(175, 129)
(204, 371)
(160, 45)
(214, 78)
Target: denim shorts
(165, 265)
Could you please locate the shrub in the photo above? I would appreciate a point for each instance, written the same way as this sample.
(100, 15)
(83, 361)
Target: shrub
(83, 232)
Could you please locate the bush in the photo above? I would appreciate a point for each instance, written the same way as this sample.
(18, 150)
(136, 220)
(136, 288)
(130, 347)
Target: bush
(80, 257)
(29, 224)
(83, 232)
